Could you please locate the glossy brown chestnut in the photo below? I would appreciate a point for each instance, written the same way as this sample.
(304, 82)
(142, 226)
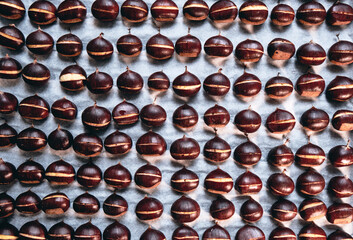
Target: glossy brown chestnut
(105, 10)
(310, 155)
(280, 184)
(86, 204)
(280, 122)
(164, 10)
(311, 13)
(151, 144)
(33, 230)
(223, 11)
(69, 45)
(218, 182)
(247, 154)
(253, 12)
(185, 148)
(42, 12)
(186, 84)
(184, 180)
(188, 46)
(341, 186)
(312, 209)
(7, 205)
(341, 53)
(34, 108)
(281, 232)
(96, 117)
(153, 115)
(12, 9)
(61, 231)
(217, 84)
(8, 103)
(11, 37)
(60, 139)
(216, 232)
(73, 78)
(342, 120)
(64, 109)
(311, 54)
(249, 50)
(125, 113)
(35, 74)
(185, 232)
(87, 145)
(216, 117)
(7, 172)
(30, 172)
(339, 235)
(251, 211)
(280, 49)
(282, 14)
(60, 173)
(129, 82)
(158, 81)
(247, 85)
(118, 143)
(222, 208)
(71, 11)
(339, 14)
(185, 210)
(134, 11)
(117, 176)
(116, 230)
(160, 47)
(8, 135)
(152, 234)
(88, 231)
(248, 183)
(9, 231)
(185, 117)
(55, 203)
(283, 210)
(100, 48)
(247, 121)
(115, 205)
(31, 139)
(341, 155)
(310, 85)
(249, 232)
(216, 150)
(129, 45)
(39, 42)
(310, 183)
(10, 68)
(314, 119)
(340, 89)
(149, 208)
(148, 176)
(195, 10)
(89, 175)
(218, 46)
(28, 203)
(281, 156)
(340, 213)
(279, 87)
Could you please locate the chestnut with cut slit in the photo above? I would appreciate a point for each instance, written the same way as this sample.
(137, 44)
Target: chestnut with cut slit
(60, 139)
(159, 47)
(60, 173)
(340, 213)
(195, 10)
(251, 211)
(188, 46)
(281, 156)
(186, 84)
(341, 53)
(164, 11)
(99, 82)
(61, 230)
(151, 144)
(153, 115)
(342, 120)
(30, 173)
(116, 230)
(314, 119)
(216, 150)
(86, 204)
(117, 176)
(184, 180)
(89, 175)
(7, 172)
(310, 183)
(312, 209)
(33, 230)
(149, 208)
(12, 9)
(8, 102)
(249, 51)
(152, 234)
(185, 117)
(185, 210)
(64, 109)
(223, 11)
(280, 122)
(339, 14)
(247, 85)
(185, 232)
(279, 87)
(129, 82)
(42, 12)
(36, 74)
(248, 183)
(100, 48)
(281, 232)
(87, 145)
(55, 203)
(339, 235)
(310, 155)
(280, 49)
(11, 37)
(247, 154)
(31, 139)
(247, 121)
(96, 117)
(34, 108)
(311, 13)
(115, 205)
(73, 78)
(218, 46)
(222, 208)
(253, 12)
(158, 81)
(10, 68)
(39, 42)
(218, 182)
(341, 186)
(71, 11)
(310, 85)
(105, 10)
(283, 210)
(7, 205)
(88, 231)
(216, 117)
(249, 232)
(216, 232)
(311, 54)
(340, 89)
(134, 11)
(118, 143)
(125, 113)
(28, 203)
(148, 176)
(129, 45)
(217, 84)
(282, 14)
(185, 148)
(8, 136)
(280, 184)
(341, 155)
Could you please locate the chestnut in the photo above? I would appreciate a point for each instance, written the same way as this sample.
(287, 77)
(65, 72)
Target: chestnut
(280, 122)
(125, 113)
(184, 231)
(60, 139)
(116, 230)
(11, 37)
(217, 84)
(342, 120)
(314, 119)
(100, 48)
(42, 12)
(186, 84)
(8, 231)
(33, 230)
(247, 85)
(134, 11)
(249, 50)
(71, 11)
(31, 139)
(281, 232)
(151, 144)
(118, 143)
(61, 230)
(280, 48)
(247, 121)
(164, 10)
(10, 68)
(129, 82)
(69, 45)
(40, 42)
(310, 183)
(341, 155)
(185, 148)
(60, 173)
(34, 108)
(218, 46)
(86, 204)
(73, 78)
(249, 232)
(195, 10)
(88, 231)
(129, 45)
(159, 47)
(149, 208)
(223, 11)
(7, 205)
(341, 187)
(282, 14)
(218, 182)
(310, 85)
(55, 203)
(8, 103)
(311, 13)
(280, 184)
(185, 210)
(216, 232)
(340, 213)
(30, 172)
(8, 135)
(64, 109)
(188, 46)
(339, 235)
(312, 209)
(153, 115)
(281, 156)
(87, 145)
(339, 14)
(115, 205)
(152, 234)
(158, 81)
(311, 54)
(283, 210)
(279, 87)
(341, 53)
(340, 89)
(216, 117)
(185, 117)
(184, 180)
(35, 74)
(117, 176)
(12, 9)
(251, 211)
(222, 208)
(248, 183)
(96, 117)
(148, 176)
(310, 155)
(253, 12)
(216, 150)
(247, 154)
(105, 10)
(7, 172)
(89, 175)
(28, 203)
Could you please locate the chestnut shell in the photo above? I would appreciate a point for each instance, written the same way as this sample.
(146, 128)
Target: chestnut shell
(185, 117)
(11, 37)
(184, 180)
(8, 103)
(134, 11)
(148, 176)
(188, 46)
(311, 54)
(117, 176)
(249, 232)
(341, 186)
(7, 205)
(100, 48)
(12, 9)
(40, 42)
(216, 117)
(125, 113)
(8, 135)
(73, 78)
(223, 11)
(69, 45)
(310, 155)
(96, 117)
(158, 81)
(164, 10)
(282, 14)
(222, 208)
(36, 74)
(310, 183)
(218, 46)
(160, 47)
(129, 45)
(42, 12)
(31, 139)
(253, 12)
(248, 183)
(116, 230)
(105, 10)
(184, 231)
(185, 148)
(118, 143)
(341, 155)
(311, 13)
(64, 109)
(280, 184)
(149, 208)
(60, 173)
(216, 84)
(7, 172)
(314, 119)
(55, 203)
(216, 150)
(186, 84)
(33, 230)
(195, 10)
(71, 11)
(34, 108)
(99, 82)
(89, 175)
(86, 204)
(185, 210)
(247, 85)
(87, 145)
(115, 205)
(280, 121)
(30, 173)
(310, 85)
(251, 211)
(218, 182)
(339, 14)
(280, 156)
(61, 231)
(247, 154)
(340, 89)
(216, 232)
(60, 139)
(249, 50)
(247, 121)
(341, 53)
(151, 144)
(153, 115)
(129, 82)
(28, 203)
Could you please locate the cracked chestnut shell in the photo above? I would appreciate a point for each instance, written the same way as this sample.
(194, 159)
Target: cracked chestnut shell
(311, 54)
(64, 109)
(281, 232)
(36, 74)
(28, 203)
(73, 78)
(314, 119)
(33, 230)
(310, 183)
(69, 45)
(248, 183)
(88, 231)
(223, 11)
(71, 11)
(310, 155)
(188, 46)
(339, 235)
(129, 45)
(218, 46)
(61, 231)
(149, 208)
(312, 209)
(105, 10)
(340, 213)
(87, 145)
(12, 9)
(96, 117)
(9, 231)
(247, 154)
(7, 205)
(115, 205)
(30, 172)
(8, 135)
(185, 148)
(251, 211)
(7, 172)
(152, 234)
(216, 150)
(280, 122)
(311, 13)
(100, 48)
(216, 117)
(31, 139)
(342, 120)
(280, 184)
(216, 232)
(148, 176)
(125, 113)
(118, 143)
(60, 173)
(117, 176)
(134, 11)
(249, 232)
(218, 182)
(282, 14)
(164, 10)
(89, 175)
(160, 47)
(341, 53)
(247, 121)
(34, 108)
(341, 155)
(184, 180)
(185, 210)
(60, 139)
(195, 10)
(184, 231)
(280, 156)
(279, 87)
(339, 14)
(42, 12)
(280, 49)
(283, 210)
(116, 230)
(129, 82)
(99, 82)
(158, 81)
(249, 51)
(217, 84)
(151, 144)
(86, 204)
(341, 186)
(310, 85)
(11, 37)
(247, 85)
(8, 103)
(253, 12)
(340, 89)
(55, 203)
(153, 115)
(186, 84)
(39, 42)
(222, 208)
(10, 68)
(185, 117)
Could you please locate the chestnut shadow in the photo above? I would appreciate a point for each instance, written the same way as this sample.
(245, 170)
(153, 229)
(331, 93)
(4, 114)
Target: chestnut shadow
(274, 102)
(126, 96)
(100, 97)
(222, 26)
(279, 29)
(127, 60)
(43, 27)
(192, 24)
(104, 25)
(301, 68)
(215, 99)
(9, 82)
(158, 62)
(68, 59)
(336, 69)
(98, 63)
(185, 59)
(36, 89)
(336, 28)
(70, 27)
(216, 61)
(276, 64)
(249, 29)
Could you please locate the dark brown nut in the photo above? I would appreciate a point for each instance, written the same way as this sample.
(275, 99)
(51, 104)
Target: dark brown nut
(218, 182)
(36, 74)
(60, 173)
(10, 68)
(282, 15)
(185, 117)
(247, 121)
(311, 13)
(100, 48)
(340, 155)
(185, 149)
(248, 183)
(283, 210)
(8, 103)
(89, 175)
(117, 176)
(216, 150)
(282, 233)
(125, 113)
(61, 230)
(188, 46)
(116, 230)
(341, 186)
(341, 53)
(149, 208)
(314, 119)
(30, 173)
(88, 231)
(281, 156)
(148, 176)
(340, 213)
(342, 120)
(247, 154)
(310, 155)
(73, 78)
(28, 203)
(280, 184)
(186, 84)
(164, 10)
(185, 232)
(223, 11)
(96, 117)
(71, 11)
(34, 108)
(279, 87)
(11, 37)
(129, 45)
(249, 50)
(7, 172)
(129, 82)
(158, 81)
(8, 135)
(60, 139)
(134, 11)
(42, 12)
(249, 232)
(153, 115)
(69, 45)
(195, 10)
(253, 12)
(221, 208)
(339, 14)
(87, 145)
(311, 54)
(310, 85)
(64, 109)
(184, 180)
(33, 230)
(218, 46)
(39, 42)
(280, 122)
(247, 85)
(105, 10)
(99, 82)
(152, 234)
(217, 84)
(312, 209)
(216, 117)
(115, 205)
(118, 143)
(310, 183)
(251, 211)
(151, 144)
(339, 235)
(86, 204)
(55, 203)
(31, 139)
(7, 205)
(160, 47)
(216, 232)
(280, 49)
(340, 89)
(185, 210)
(9, 231)
(12, 9)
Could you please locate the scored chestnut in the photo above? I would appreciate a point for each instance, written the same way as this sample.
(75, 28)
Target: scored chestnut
(184, 180)
(340, 89)
(314, 119)
(34, 108)
(89, 175)
(7, 172)
(253, 12)
(310, 155)
(105, 10)
(222, 208)
(251, 211)
(218, 46)
(341, 155)
(149, 208)
(249, 50)
(71, 11)
(117, 176)
(188, 46)
(31, 139)
(115, 205)
(96, 117)
(99, 82)
(118, 143)
(312, 209)
(185, 210)
(282, 14)
(341, 186)
(185, 117)
(339, 235)
(223, 11)
(125, 113)
(339, 14)
(218, 182)
(216, 117)
(153, 115)
(87, 145)
(310, 183)
(60, 173)
(282, 233)
(61, 230)
(73, 78)
(36, 74)
(100, 48)
(158, 81)
(152, 234)
(69, 45)
(86, 204)
(10, 68)
(186, 84)
(184, 231)
(341, 53)
(8, 135)
(159, 47)
(11, 37)
(281, 156)
(280, 184)
(216, 150)
(129, 82)
(129, 45)
(64, 109)
(195, 10)
(60, 139)
(8, 103)
(311, 54)
(247, 154)
(88, 231)
(42, 12)
(280, 49)
(216, 84)
(216, 232)
(151, 144)
(311, 13)
(7, 205)
(12, 9)
(249, 232)
(247, 85)
(116, 230)
(247, 121)
(148, 176)
(55, 203)
(28, 203)
(283, 210)
(280, 122)
(30, 173)
(340, 213)
(342, 120)
(310, 85)
(248, 183)
(164, 10)
(33, 230)
(134, 11)
(39, 42)
(185, 148)
(9, 231)
(279, 87)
